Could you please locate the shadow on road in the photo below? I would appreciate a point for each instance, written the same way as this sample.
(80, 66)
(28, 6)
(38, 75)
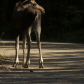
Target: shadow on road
(43, 77)
(45, 45)
(64, 64)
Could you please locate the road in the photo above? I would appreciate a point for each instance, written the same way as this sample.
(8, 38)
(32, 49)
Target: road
(63, 64)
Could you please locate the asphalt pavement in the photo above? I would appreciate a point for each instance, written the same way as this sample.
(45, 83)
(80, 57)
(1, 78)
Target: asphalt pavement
(63, 64)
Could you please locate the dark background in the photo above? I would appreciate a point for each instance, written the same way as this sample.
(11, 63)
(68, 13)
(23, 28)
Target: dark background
(63, 20)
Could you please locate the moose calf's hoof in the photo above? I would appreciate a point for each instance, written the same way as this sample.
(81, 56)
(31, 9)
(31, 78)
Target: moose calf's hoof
(25, 65)
(41, 65)
(15, 65)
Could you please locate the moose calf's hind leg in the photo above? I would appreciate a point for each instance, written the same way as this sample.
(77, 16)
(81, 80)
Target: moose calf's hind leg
(37, 32)
(24, 49)
(40, 54)
(41, 61)
(28, 55)
(28, 50)
(17, 48)
(41, 65)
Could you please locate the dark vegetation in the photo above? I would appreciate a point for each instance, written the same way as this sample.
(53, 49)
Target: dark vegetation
(63, 20)
(2, 57)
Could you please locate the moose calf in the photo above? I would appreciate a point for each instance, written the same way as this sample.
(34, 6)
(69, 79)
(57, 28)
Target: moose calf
(25, 19)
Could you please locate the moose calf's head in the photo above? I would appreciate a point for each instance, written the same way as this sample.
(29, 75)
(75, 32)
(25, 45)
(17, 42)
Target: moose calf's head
(33, 3)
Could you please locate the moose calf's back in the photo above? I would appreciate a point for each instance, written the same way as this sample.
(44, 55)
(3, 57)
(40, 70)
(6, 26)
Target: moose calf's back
(23, 18)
